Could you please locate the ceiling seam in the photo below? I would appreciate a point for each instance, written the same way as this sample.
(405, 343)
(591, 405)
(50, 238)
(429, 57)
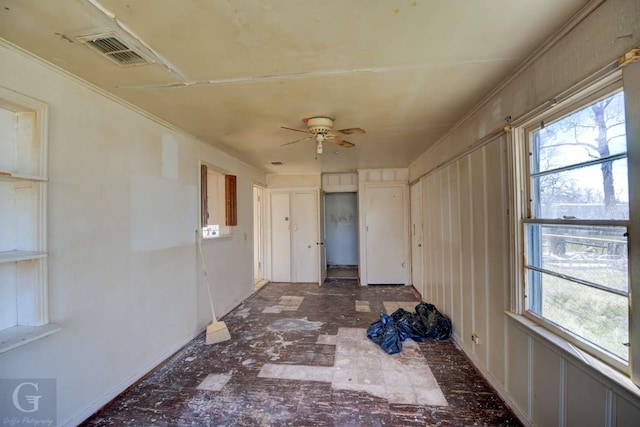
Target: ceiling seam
(303, 75)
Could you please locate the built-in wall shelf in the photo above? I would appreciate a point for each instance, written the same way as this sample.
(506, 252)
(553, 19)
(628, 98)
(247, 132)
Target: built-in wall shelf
(16, 336)
(9, 176)
(13, 256)
(24, 313)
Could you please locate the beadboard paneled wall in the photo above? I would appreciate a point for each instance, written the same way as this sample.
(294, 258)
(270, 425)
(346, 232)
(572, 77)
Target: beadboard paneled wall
(466, 275)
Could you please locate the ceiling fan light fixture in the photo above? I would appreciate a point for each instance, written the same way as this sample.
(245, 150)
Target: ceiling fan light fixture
(319, 129)
(319, 125)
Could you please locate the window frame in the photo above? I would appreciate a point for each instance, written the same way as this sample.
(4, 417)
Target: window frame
(229, 210)
(522, 205)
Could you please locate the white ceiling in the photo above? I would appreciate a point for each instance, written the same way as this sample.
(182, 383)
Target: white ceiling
(232, 72)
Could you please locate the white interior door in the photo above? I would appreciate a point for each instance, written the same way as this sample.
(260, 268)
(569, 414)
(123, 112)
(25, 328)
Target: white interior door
(280, 238)
(385, 235)
(417, 278)
(305, 237)
(322, 247)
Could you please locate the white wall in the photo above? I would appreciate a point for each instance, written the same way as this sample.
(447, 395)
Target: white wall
(466, 241)
(124, 282)
(311, 180)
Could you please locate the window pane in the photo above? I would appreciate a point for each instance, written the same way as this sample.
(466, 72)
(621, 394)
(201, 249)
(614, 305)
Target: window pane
(595, 254)
(588, 134)
(593, 192)
(597, 316)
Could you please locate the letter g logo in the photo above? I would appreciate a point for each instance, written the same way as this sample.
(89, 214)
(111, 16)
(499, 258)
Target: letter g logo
(33, 400)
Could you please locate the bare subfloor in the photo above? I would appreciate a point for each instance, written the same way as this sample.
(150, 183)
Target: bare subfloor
(299, 356)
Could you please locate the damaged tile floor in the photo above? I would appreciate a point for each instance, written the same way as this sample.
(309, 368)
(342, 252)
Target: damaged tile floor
(299, 356)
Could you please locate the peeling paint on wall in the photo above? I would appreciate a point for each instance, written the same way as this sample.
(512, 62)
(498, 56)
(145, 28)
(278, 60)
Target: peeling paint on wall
(169, 157)
(161, 212)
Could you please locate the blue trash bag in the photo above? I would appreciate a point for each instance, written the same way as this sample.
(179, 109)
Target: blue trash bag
(385, 334)
(426, 323)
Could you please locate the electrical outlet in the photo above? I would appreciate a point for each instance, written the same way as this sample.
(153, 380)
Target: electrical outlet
(475, 338)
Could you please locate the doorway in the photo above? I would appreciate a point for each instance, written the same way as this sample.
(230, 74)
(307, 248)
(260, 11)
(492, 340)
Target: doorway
(341, 228)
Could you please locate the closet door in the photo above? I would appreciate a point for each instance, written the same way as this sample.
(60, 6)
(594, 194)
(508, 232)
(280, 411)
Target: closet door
(280, 238)
(416, 238)
(385, 234)
(305, 237)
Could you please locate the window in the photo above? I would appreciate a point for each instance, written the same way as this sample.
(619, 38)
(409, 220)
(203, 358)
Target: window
(576, 267)
(218, 202)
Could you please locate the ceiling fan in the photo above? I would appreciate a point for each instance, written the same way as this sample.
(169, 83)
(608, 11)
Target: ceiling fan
(320, 130)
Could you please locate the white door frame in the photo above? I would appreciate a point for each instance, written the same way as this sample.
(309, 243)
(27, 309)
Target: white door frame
(417, 238)
(259, 242)
(322, 238)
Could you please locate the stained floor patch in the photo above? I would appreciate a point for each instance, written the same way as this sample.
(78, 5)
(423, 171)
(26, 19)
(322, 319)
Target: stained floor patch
(327, 339)
(214, 382)
(361, 365)
(391, 306)
(286, 303)
(284, 325)
(363, 306)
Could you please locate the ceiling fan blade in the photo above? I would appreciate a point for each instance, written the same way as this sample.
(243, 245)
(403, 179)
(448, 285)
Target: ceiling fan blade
(297, 140)
(341, 142)
(351, 131)
(297, 130)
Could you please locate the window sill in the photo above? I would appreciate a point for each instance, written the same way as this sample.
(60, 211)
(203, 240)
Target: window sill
(213, 238)
(17, 336)
(572, 352)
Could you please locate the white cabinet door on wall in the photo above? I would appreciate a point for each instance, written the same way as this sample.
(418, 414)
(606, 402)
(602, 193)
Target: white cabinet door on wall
(305, 236)
(385, 228)
(294, 236)
(280, 238)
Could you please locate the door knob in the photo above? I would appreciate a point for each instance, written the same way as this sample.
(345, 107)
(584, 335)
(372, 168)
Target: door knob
(419, 245)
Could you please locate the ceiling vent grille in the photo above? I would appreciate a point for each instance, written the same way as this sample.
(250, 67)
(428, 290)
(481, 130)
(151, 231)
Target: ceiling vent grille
(115, 49)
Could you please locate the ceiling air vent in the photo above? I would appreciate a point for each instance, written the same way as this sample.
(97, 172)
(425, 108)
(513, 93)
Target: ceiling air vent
(114, 48)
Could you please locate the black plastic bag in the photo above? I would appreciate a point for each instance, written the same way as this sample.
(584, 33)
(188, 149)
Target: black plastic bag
(408, 325)
(385, 334)
(436, 326)
(426, 323)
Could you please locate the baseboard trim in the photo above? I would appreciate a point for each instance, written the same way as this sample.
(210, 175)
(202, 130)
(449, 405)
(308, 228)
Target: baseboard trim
(493, 382)
(114, 392)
